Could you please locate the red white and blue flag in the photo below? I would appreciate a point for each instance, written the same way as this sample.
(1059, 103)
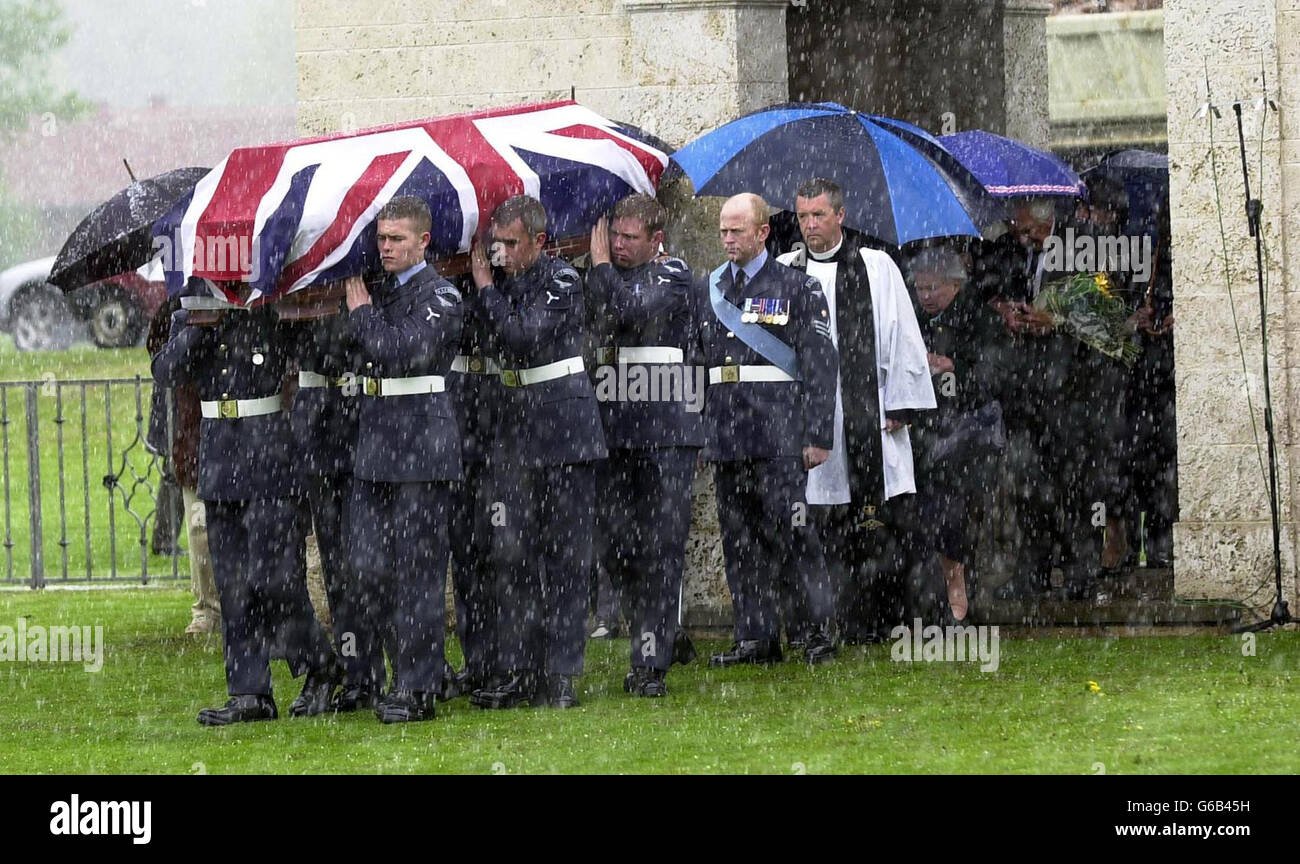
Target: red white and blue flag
(284, 216)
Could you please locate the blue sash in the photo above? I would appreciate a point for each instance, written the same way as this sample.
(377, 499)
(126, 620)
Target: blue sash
(775, 351)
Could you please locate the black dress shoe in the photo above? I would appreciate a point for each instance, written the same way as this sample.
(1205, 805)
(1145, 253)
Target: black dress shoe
(511, 692)
(467, 682)
(645, 682)
(759, 651)
(559, 692)
(317, 692)
(240, 709)
(683, 648)
(818, 647)
(354, 697)
(405, 706)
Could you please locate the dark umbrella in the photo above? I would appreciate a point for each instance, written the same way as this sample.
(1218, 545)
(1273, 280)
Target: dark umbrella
(1145, 178)
(1010, 168)
(116, 236)
(900, 183)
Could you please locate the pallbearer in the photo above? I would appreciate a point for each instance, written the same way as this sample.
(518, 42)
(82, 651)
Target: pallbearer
(251, 495)
(324, 423)
(407, 454)
(546, 441)
(650, 401)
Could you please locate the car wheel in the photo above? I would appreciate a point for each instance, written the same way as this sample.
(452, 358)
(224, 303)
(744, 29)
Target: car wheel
(42, 320)
(115, 319)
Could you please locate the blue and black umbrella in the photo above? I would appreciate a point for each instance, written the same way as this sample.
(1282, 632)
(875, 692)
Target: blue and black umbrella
(1010, 168)
(900, 184)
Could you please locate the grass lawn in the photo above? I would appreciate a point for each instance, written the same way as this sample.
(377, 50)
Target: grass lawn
(1166, 704)
(115, 533)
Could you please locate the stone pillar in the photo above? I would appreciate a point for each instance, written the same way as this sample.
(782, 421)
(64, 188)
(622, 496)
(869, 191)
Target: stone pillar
(1223, 541)
(1024, 70)
(946, 65)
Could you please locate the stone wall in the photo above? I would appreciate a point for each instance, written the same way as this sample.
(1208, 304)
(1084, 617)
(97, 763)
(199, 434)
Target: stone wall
(1223, 543)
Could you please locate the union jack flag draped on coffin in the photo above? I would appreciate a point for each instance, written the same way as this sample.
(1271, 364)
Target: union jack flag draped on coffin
(284, 216)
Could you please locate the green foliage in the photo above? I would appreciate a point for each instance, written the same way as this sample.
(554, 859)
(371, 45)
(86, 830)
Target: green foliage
(30, 32)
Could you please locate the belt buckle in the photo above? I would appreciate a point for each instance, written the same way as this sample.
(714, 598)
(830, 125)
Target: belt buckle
(510, 377)
(228, 409)
(730, 374)
(476, 365)
(371, 387)
(606, 356)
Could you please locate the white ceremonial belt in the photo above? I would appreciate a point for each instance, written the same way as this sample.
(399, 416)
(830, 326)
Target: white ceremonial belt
(538, 374)
(745, 374)
(412, 386)
(315, 379)
(641, 354)
(475, 365)
(232, 409)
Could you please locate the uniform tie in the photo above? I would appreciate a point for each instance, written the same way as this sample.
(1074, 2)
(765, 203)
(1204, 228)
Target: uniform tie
(736, 293)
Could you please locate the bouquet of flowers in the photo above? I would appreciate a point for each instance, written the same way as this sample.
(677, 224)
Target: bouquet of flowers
(1087, 307)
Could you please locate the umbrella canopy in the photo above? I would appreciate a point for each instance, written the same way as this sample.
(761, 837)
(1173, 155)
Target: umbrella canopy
(1009, 168)
(1145, 177)
(900, 184)
(117, 235)
(285, 216)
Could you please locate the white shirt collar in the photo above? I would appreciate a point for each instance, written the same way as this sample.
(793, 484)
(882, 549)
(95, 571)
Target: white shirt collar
(829, 253)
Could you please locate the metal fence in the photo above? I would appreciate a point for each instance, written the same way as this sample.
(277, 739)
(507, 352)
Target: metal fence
(64, 520)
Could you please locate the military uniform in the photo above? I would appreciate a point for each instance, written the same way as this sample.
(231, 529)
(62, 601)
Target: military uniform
(323, 419)
(251, 493)
(473, 382)
(646, 383)
(759, 421)
(407, 456)
(547, 437)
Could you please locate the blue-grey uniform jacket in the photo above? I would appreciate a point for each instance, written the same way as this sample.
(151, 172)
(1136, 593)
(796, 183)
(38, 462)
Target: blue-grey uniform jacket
(406, 331)
(241, 357)
(651, 306)
(535, 319)
(769, 419)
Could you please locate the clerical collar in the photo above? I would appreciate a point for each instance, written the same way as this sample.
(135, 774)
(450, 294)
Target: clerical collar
(829, 253)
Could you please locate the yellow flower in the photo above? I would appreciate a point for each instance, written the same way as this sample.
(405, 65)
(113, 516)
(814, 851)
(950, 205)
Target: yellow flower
(1094, 687)
(1103, 284)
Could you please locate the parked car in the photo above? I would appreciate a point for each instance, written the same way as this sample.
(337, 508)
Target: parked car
(113, 313)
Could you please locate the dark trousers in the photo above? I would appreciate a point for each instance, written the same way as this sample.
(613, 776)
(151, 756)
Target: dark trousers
(1065, 439)
(399, 552)
(470, 532)
(763, 519)
(644, 517)
(257, 550)
(543, 562)
(872, 555)
(329, 496)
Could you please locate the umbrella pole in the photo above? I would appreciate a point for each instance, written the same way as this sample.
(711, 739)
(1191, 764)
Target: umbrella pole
(129, 172)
